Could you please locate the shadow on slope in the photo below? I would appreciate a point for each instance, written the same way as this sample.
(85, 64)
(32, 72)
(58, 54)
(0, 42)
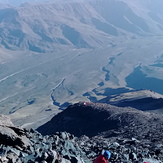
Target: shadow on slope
(144, 104)
(145, 100)
(137, 79)
(74, 37)
(94, 119)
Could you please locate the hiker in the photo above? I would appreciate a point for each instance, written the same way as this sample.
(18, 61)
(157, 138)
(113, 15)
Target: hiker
(103, 158)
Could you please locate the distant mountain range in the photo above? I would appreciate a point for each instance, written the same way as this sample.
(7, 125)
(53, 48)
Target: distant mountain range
(19, 2)
(56, 53)
(43, 27)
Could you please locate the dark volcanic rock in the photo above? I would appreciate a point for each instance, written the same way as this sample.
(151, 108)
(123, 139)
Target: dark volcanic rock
(12, 135)
(63, 147)
(108, 121)
(20, 145)
(122, 149)
(145, 104)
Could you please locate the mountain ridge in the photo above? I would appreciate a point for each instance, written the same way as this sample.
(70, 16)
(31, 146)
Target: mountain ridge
(104, 120)
(38, 32)
(145, 100)
(85, 20)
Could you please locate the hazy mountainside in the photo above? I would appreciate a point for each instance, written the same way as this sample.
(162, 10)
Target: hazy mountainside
(89, 24)
(58, 26)
(19, 2)
(61, 52)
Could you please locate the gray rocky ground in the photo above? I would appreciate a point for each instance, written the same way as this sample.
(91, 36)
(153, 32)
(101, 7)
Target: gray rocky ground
(19, 145)
(65, 148)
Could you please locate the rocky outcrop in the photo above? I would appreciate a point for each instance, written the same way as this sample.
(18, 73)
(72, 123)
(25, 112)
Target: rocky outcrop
(60, 147)
(94, 119)
(19, 145)
(11, 135)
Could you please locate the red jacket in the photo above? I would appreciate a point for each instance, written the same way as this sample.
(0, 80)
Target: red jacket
(100, 159)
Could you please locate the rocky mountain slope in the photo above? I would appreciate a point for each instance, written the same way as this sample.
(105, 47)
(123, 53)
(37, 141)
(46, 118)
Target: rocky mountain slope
(21, 145)
(105, 120)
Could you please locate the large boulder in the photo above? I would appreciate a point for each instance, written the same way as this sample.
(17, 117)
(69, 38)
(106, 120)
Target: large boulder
(12, 135)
